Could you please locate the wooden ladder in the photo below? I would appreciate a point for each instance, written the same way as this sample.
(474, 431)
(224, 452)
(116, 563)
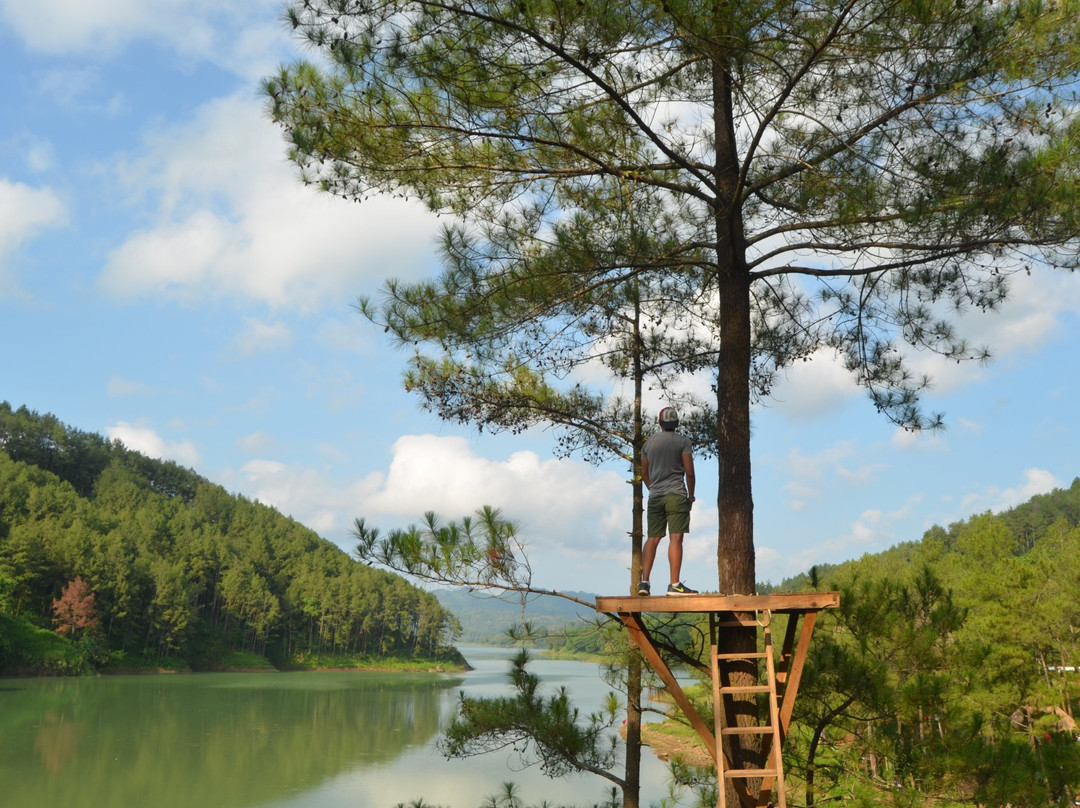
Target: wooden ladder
(723, 708)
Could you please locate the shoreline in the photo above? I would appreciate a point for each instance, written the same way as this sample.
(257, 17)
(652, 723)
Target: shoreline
(689, 750)
(420, 667)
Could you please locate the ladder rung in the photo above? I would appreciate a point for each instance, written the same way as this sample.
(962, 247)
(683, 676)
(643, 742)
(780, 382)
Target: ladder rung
(745, 689)
(735, 657)
(733, 773)
(763, 729)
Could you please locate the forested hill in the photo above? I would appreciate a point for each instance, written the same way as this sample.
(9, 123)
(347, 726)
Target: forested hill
(178, 568)
(949, 674)
(962, 547)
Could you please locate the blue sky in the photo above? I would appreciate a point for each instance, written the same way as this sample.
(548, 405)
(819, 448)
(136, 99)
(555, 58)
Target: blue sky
(165, 280)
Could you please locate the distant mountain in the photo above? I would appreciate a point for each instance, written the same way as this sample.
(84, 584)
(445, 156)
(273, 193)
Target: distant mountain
(485, 617)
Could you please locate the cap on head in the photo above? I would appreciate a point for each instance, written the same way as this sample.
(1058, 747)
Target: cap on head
(668, 418)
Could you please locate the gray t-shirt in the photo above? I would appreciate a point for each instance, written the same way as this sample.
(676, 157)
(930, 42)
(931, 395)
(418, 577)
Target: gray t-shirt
(664, 451)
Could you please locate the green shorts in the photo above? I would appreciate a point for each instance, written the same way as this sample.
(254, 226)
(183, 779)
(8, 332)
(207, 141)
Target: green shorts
(668, 513)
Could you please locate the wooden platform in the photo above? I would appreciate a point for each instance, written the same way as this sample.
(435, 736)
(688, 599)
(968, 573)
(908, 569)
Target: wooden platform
(727, 613)
(706, 603)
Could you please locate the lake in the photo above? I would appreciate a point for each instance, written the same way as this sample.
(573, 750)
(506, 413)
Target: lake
(280, 740)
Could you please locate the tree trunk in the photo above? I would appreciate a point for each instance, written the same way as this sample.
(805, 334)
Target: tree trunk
(632, 772)
(734, 500)
(735, 541)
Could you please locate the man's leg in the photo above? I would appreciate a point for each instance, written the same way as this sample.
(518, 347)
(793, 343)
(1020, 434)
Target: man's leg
(678, 518)
(656, 525)
(648, 556)
(674, 557)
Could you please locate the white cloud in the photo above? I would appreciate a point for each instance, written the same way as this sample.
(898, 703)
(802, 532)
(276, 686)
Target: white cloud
(555, 496)
(1032, 314)
(811, 389)
(354, 335)
(816, 466)
(40, 157)
(1036, 481)
(238, 36)
(576, 513)
(259, 337)
(25, 212)
(119, 386)
(1029, 318)
(145, 440)
(254, 443)
(233, 220)
(814, 476)
(79, 91)
(872, 531)
(968, 425)
(304, 494)
(905, 439)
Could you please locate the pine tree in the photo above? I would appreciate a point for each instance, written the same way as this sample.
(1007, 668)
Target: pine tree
(73, 611)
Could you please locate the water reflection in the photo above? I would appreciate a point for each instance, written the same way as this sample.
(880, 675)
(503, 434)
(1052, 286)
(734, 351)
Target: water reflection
(196, 740)
(296, 740)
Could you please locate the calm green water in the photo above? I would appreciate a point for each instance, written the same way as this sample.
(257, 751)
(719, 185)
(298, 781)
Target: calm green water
(288, 740)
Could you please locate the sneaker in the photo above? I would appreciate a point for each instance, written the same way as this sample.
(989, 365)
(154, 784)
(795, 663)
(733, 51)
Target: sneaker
(643, 589)
(680, 589)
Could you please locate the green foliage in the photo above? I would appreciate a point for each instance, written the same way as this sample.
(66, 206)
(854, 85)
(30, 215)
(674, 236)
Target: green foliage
(541, 729)
(940, 677)
(26, 650)
(246, 660)
(177, 572)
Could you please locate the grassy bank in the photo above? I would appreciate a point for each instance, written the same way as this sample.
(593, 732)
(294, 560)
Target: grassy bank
(26, 650)
(327, 662)
(29, 650)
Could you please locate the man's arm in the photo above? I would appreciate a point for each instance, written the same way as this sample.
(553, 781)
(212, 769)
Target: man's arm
(645, 470)
(688, 470)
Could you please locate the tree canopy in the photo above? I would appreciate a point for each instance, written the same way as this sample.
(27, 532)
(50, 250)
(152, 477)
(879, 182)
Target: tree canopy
(781, 178)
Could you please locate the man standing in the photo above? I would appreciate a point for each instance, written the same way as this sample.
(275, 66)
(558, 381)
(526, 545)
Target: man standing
(667, 469)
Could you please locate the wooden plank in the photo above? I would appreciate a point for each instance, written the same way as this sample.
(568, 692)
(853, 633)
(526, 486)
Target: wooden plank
(744, 689)
(719, 603)
(756, 729)
(731, 774)
(741, 656)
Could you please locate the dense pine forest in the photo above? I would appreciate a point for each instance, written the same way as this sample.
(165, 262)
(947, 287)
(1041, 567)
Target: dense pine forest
(950, 674)
(109, 558)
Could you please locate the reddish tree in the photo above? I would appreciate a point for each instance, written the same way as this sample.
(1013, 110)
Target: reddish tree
(74, 609)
